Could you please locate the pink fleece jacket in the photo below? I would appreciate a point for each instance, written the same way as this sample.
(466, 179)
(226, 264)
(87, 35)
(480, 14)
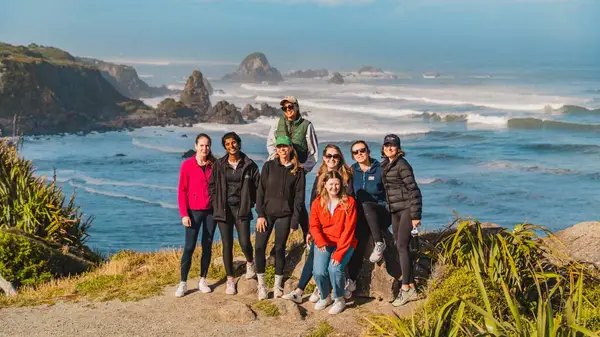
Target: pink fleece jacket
(193, 187)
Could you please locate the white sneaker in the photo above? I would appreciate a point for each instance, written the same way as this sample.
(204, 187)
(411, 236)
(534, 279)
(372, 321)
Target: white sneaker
(315, 296)
(263, 294)
(203, 286)
(295, 296)
(338, 306)
(277, 287)
(250, 270)
(181, 289)
(230, 290)
(377, 253)
(350, 285)
(277, 292)
(322, 304)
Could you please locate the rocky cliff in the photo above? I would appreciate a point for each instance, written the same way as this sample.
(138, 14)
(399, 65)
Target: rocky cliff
(309, 73)
(255, 68)
(337, 78)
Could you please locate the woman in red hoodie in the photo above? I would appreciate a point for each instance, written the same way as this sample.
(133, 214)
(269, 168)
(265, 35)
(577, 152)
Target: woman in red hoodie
(196, 211)
(332, 226)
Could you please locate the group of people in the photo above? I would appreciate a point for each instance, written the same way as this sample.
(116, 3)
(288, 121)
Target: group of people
(348, 206)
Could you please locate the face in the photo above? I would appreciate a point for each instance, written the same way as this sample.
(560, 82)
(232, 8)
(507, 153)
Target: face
(232, 146)
(332, 159)
(360, 152)
(333, 187)
(289, 110)
(284, 151)
(390, 150)
(202, 147)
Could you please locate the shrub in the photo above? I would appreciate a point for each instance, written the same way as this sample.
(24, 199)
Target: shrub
(267, 308)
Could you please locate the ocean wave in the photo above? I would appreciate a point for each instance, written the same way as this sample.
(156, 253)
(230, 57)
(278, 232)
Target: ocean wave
(456, 135)
(577, 110)
(541, 124)
(369, 131)
(569, 148)
(64, 176)
(124, 196)
(160, 148)
(435, 181)
(530, 168)
(470, 118)
(261, 88)
(444, 156)
(258, 128)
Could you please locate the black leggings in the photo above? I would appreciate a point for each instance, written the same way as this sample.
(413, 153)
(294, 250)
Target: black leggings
(198, 218)
(243, 231)
(376, 218)
(282, 231)
(402, 225)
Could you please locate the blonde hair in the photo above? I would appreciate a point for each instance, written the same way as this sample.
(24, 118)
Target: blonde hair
(325, 195)
(296, 166)
(343, 169)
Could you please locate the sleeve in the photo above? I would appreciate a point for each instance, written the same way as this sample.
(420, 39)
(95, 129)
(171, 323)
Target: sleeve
(260, 195)
(271, 148)
(299, 196)
(414, 193)
(313, 149)
(314, 191)
(348, 232)
(315, 224)
(182, 191)
(255, 176)
(212, 184)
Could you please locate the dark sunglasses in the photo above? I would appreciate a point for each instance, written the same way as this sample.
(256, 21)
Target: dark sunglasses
(281, 146)
(334, 156)
(363, 150)
(287, 107)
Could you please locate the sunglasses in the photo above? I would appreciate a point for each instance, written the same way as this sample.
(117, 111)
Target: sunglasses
(334, 156)
(363, 150)
(280, 146)
(287, 107)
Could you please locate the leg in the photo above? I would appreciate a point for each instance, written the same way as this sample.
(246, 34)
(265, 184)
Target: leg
(191, 236)
(226, 230)
(304, 221)
(320, 270)
(260, 247)
(208, 233)
(243, 231)
(337, 276)
(402, 225)
(282, 231)
(373, 219)
(307, 270)
(358, 257)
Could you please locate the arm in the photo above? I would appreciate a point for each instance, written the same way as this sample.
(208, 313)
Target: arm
(313, 149)
(345, 241)
(315, 224)
(299, 196)
(314, 192)
(414, 193)
(260, 194)
(271, 148)
(255, 177)
(182, 192)
(212, 184)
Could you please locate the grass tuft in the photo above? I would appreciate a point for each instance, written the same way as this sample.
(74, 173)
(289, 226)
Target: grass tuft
(266, 307)
(322, 330)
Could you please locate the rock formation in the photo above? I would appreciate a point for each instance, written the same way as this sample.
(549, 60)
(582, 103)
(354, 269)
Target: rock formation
(369, 69)
(224, 113)
(582, 242)
(310, 73)
(195, 94)
(255, 68)
(171, 108)
(251, 113)
(337, 78)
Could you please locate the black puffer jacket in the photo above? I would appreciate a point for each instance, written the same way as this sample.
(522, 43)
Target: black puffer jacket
(401, 189)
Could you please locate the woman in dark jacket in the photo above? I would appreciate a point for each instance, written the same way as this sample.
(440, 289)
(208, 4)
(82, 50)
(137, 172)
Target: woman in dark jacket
(404, 203)
(279, 203)
(233, 188)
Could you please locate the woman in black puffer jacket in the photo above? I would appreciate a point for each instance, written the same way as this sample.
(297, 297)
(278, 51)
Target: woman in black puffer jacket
(404, 202)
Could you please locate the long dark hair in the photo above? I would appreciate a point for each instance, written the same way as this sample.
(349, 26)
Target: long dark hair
(209, 158)
(234, 136)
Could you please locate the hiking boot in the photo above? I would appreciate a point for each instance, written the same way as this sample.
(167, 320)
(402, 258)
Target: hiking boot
(377, 253)
(338, 306)
(181, 289)
(315, 296)
(230, 290)
(405, 296)
(203, 286)
(263, 294)
(322, 304)
(295, 296)
(250, 270)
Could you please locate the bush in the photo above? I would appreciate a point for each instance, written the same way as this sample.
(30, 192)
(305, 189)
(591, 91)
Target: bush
(20, 262)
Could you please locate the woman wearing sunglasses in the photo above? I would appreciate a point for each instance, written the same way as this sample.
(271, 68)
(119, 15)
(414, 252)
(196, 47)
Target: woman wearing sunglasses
(405, 204)
(333, 160)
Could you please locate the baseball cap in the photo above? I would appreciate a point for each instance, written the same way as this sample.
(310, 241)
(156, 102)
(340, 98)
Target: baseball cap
(283, 140)
(392, 139)
(289, 99)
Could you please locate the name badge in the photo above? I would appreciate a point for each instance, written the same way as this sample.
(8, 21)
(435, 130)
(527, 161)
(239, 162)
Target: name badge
(371, 177)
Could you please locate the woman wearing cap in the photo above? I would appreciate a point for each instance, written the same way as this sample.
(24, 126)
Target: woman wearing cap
(405, 204)
(196, 211)
(333, 160)
(279, 203)
(233, 186)
(332, 225)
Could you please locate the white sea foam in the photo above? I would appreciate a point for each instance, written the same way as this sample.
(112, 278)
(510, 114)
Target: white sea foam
(63, 176)
(255, 87)
(473, 118)
(145, 76)
(160, 148)
(124, 196)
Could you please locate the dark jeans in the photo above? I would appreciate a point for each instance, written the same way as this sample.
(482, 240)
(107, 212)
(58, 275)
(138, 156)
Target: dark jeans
(282, 231)
(200, 220)
(402, 225)
(243, 231)
(307, 270)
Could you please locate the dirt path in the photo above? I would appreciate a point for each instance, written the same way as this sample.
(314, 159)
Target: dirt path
(196, 314)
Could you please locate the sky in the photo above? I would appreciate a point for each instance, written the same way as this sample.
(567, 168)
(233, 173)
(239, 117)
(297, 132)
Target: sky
(313, 33)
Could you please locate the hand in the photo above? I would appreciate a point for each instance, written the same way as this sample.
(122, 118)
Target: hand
(261, 224)
(323, 249)
(416, 223)
(186, 221)
(309, 239)
(335, 263)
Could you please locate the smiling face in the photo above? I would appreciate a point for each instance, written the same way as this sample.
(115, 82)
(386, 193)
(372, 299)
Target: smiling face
(333, 187)
(360, 153)
(232, 146)
(202, 147)
(332, 159)
(390, 151)
(289, 110)
(283, 151)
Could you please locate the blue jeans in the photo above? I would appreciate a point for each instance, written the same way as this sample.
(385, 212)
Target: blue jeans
(324, 272)
(307, 270)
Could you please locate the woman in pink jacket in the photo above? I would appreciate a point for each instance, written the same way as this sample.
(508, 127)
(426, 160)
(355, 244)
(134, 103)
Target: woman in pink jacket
(196, 211)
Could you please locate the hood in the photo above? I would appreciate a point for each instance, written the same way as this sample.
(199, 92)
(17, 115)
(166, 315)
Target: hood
(244, 158)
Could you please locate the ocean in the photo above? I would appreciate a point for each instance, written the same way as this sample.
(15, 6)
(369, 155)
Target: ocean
(463, 133)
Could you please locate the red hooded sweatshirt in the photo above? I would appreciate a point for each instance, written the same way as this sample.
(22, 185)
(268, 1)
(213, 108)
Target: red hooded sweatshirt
(193, 187)
(335, 230)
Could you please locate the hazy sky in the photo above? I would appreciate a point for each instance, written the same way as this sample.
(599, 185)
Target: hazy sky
(312, 33)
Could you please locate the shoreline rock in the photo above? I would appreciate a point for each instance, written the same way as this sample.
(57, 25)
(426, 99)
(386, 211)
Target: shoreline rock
(337, 78)
(255, 68)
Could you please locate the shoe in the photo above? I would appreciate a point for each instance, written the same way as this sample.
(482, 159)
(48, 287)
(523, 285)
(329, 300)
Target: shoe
(350, 285)
(263, 294)
(277, 292)
(230, 290)
(338, 306)
(278, 286)
(315, 296)
(250, 270)
(405, 296)
(377, 253)
(295, 296)
(322, 304)
(181, 289)
(203, 286)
